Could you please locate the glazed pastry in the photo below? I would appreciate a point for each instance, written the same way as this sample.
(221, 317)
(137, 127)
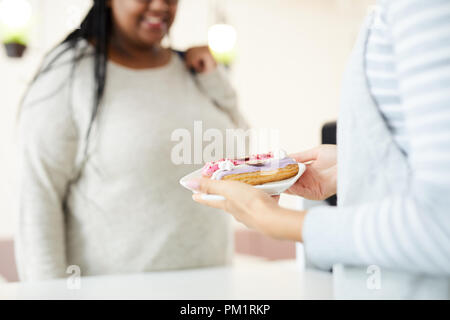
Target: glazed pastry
(254, 170)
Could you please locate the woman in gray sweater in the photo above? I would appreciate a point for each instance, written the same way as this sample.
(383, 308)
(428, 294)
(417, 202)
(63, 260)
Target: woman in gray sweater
(96, 186)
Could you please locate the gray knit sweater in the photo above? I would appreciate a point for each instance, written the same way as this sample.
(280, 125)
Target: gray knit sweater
(121, 209)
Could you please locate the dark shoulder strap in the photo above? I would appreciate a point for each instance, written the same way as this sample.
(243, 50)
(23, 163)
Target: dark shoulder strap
(182, 55)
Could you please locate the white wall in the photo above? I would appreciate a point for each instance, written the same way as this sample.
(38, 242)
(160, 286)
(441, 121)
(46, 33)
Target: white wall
(291, 54)
(51, 23)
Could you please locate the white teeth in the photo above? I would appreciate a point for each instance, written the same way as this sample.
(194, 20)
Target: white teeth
(154, 20)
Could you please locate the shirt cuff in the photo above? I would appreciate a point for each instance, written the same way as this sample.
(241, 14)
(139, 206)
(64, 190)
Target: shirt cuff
(328, 237)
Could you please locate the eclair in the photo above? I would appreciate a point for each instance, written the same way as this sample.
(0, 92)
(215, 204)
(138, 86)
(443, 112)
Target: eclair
(254, 170)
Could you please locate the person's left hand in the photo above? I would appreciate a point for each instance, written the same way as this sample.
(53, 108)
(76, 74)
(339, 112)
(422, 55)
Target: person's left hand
(253, 207)
(200, 59)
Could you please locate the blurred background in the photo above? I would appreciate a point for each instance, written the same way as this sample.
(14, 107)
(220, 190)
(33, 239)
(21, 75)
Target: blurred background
(287, 65)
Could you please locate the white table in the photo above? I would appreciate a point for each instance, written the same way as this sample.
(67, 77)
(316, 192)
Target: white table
(268, 280)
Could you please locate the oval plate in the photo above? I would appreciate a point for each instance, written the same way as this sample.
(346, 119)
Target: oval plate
(271, 188)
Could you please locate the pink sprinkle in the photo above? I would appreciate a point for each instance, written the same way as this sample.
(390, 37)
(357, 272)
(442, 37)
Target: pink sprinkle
(213, 166)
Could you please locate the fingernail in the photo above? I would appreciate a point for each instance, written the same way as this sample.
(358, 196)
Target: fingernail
(193, 184)
(210, 197)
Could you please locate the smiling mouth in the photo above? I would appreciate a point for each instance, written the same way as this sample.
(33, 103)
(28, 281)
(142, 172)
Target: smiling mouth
(155, 23)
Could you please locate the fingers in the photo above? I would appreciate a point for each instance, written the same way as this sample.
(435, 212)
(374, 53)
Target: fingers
(305, 156)
(209, 64)
(203, 64)
(207, 187)
(276, 198)
(210, 186)
(191, 64)
(232, 191)
(218, 204)
(219, 187)
(215, 187)
(200, 59)
(198, 65)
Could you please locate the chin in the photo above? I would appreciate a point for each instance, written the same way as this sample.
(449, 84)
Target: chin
(151, 40)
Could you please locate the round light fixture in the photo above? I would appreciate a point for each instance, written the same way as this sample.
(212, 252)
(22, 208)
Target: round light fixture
(15, 14)
(222, 42)
(15, 20)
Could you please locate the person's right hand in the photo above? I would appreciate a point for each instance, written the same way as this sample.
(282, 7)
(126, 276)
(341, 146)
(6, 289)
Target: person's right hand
(200, 59)
(319, 180)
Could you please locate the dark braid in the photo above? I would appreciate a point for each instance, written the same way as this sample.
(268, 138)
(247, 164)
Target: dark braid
(95, 28)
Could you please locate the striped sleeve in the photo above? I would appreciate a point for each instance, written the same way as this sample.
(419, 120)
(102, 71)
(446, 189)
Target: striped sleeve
(410, 231)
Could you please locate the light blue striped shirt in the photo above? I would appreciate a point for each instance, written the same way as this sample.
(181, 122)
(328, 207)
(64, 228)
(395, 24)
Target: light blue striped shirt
(408, 71)
(408, 67)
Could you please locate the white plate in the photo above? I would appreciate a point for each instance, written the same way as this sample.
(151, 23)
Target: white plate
(271, 188)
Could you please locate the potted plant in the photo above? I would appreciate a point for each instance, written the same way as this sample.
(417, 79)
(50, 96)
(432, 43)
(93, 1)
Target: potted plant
(15, 46)
(15, 18)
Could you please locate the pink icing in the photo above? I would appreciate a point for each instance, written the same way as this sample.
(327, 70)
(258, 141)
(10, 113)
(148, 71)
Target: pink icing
(268, 165)
(213, 166)
(209, 169)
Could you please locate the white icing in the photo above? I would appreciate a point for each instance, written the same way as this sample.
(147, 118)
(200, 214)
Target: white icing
(280, 154)
(225, 165)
